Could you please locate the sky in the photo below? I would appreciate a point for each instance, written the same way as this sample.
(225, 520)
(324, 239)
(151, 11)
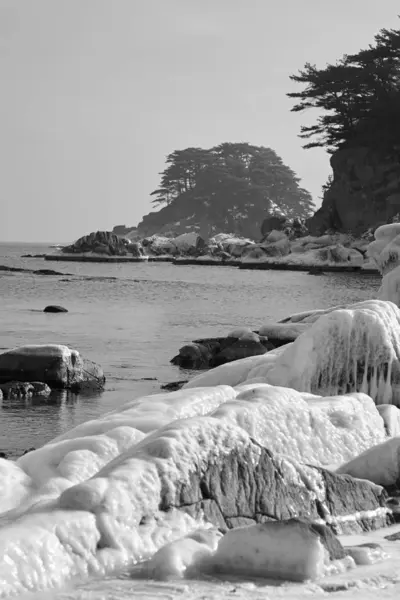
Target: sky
(95, 93)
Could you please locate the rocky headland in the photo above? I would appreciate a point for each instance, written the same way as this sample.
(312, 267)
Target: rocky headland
(363, 194)
(284, 244)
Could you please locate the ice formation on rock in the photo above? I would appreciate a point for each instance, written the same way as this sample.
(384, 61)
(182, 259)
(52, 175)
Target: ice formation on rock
(385, 253)
(351, 350)
(355, 349)
(380, 464)
(115, 490)
(282, 550)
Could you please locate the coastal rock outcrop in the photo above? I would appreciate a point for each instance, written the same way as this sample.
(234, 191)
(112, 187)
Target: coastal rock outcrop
(99, 242)
(57, 366)
(345, 350)
(364, 192)
(211, 352)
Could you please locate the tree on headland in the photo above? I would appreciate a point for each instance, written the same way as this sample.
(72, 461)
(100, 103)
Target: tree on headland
(232, 178)
(359, 96)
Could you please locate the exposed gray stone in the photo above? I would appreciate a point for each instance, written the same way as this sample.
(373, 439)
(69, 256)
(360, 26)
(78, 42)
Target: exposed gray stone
(51, 365)
(233, 491)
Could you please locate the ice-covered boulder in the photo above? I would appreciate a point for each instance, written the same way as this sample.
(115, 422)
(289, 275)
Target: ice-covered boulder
(380, 464)
(351, 350)
(283, 333)
(189, 242)
(56, 365)
(315, 430)
(354, 349)
(106, 495)
(209, 468)
(290, 550)
(385, 253)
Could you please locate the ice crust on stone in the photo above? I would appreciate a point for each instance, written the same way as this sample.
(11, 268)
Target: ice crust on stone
(90, 502)
(385, 253)
(380, 464)
(280, 551)
(356, 349)
(322, 431)
(183, 556)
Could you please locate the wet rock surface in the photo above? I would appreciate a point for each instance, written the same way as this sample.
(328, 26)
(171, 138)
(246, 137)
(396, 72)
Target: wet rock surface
(212, 352)
(56, 366)
(52, 308)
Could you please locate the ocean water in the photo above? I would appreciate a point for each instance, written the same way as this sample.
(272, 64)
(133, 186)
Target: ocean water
(132, 319)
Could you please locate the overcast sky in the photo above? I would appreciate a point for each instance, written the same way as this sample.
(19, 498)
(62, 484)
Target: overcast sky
(95, 93)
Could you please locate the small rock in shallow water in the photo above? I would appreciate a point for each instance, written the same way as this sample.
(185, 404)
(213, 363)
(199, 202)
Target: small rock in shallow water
(174, 385)
(17, 389)
(47, 272)
(40, 388)
(55, 309)
(57, 365)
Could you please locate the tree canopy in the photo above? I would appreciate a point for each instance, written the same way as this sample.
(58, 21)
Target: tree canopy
(232, 177)
(359, 96)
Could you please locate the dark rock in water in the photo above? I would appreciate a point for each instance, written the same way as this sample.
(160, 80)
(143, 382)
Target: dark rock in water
(40, 389)
(48, 272)
(28, 450)
(193, 356)
(3, 455)
(240, 349)
(55, 309)
(316, 271)
(22, 389)
(58, 366)
(174, 385)
(33, 255)
(14, 269)
(212, 352)
(17, 389)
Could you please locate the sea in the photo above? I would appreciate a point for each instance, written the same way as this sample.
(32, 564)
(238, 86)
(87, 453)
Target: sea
(132, 319)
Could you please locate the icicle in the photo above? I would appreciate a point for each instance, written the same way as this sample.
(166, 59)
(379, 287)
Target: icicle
(348, 350)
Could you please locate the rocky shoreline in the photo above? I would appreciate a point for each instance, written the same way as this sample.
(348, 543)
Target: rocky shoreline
(287, 248)
(292, 436)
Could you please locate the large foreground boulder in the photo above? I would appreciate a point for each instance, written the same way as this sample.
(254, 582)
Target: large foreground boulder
(56, 365)
(114, 490)
(206, 467)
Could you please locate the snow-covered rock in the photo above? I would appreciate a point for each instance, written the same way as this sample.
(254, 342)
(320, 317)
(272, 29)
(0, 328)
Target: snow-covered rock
(380, 464)
(354, 349)
(286, 550)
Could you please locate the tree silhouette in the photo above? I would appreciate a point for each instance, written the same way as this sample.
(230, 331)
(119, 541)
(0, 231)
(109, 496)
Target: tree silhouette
(359, 96)
(232, 179)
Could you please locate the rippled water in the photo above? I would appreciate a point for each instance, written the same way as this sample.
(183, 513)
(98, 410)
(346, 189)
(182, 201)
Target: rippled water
(132, 318)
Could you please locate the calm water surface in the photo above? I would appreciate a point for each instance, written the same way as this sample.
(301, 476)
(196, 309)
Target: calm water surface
(133, 318)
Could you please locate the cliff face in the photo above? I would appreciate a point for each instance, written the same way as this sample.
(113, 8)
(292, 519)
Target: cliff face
(365, 191)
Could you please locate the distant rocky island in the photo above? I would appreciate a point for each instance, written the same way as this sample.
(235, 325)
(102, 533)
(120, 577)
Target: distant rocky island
(238, 202)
